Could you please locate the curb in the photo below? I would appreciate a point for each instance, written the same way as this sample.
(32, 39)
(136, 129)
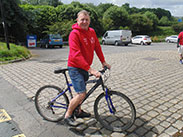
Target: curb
(16, 60)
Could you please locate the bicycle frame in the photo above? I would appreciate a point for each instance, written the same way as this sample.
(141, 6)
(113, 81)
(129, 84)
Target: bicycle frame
(98, 83)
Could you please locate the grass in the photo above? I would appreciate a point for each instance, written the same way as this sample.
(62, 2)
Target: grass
(16, 52)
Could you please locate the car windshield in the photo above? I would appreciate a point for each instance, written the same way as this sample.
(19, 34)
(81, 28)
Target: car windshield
(147, 37)
(55, 36)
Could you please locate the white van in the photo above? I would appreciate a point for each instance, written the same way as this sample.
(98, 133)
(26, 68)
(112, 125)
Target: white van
(117, 37)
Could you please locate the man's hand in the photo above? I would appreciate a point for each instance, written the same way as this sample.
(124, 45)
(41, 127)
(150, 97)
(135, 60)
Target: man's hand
(97, 74)
(106, 64)
(178, 46)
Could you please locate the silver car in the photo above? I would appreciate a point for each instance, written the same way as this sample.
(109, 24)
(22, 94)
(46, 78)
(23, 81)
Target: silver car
(172, 39)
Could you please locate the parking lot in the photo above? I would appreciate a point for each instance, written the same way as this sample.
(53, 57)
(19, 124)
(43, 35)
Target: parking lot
(150, 76)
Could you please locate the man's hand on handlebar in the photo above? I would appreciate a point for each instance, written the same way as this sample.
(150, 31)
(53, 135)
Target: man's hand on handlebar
(96, 73)
(104, 64)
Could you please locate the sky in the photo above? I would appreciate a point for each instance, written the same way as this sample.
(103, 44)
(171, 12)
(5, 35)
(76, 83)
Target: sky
(174, 6)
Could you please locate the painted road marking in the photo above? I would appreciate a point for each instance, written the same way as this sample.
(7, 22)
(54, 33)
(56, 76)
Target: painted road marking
(20, 135)
(4, 116)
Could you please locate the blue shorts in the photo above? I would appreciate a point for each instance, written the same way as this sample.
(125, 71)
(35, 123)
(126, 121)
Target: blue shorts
(78, 78)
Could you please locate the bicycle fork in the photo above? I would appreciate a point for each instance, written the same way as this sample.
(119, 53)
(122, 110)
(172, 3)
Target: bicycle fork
(109, 101)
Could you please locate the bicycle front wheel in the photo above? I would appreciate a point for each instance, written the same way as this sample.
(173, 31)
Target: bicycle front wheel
(49, 105)
(116, 113)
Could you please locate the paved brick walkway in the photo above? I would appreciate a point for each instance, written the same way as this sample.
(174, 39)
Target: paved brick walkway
(151, 79)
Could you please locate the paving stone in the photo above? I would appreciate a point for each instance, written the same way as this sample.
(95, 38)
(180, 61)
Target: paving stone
(133, 135)
(166, 113)
(96, 136)
(151, 134)
(178, 124)
(90, 130)
(152, 113)
(155, 121)
(115, 134)
(171, 131)
(163, 135)
(165, 124)
(139, 122)
(176, 116)
(158, 129)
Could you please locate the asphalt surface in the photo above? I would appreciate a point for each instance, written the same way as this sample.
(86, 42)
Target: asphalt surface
(150, 76)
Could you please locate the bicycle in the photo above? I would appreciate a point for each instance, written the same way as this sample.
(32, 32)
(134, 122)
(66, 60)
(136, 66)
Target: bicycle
(112, 109)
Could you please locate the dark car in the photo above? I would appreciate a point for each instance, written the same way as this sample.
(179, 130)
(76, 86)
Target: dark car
(51, 40)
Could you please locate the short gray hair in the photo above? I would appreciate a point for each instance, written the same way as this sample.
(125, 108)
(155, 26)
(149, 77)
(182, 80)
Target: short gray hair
(83, 12)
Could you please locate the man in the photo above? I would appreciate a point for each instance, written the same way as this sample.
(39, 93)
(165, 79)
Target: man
(82, 44)
(180, 46)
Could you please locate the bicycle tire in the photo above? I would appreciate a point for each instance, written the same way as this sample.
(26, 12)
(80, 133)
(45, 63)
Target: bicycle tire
(124, 116)
(42, 98)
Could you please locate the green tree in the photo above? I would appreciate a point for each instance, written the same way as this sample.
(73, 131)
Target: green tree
(140, 24)
(101, 8)
(42, 16)
(117, 16)
(162, 12)
(15, 19)
(63, 28)
(153, 18)
(54, 3)
(164, 21)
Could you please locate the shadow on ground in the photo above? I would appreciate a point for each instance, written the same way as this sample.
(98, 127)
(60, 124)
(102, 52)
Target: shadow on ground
(90, 126)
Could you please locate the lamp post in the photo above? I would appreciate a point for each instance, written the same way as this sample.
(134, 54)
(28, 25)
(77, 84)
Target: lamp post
(4, 25)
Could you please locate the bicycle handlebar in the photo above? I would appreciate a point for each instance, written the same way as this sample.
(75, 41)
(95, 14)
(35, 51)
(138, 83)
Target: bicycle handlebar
(104, 69)
(101, 71)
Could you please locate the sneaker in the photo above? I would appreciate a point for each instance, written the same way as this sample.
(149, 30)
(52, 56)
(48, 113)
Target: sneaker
(70, 121)
(82, 114)
(181, 62)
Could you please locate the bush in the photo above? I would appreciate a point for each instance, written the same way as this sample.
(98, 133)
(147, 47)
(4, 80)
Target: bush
(158, 38)
(15, 52)
(163, 31)
(178, 27)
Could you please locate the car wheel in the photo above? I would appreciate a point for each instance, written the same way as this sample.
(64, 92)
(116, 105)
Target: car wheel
(46, 46)
(60, 46)
(168, 41)
(103, 42)
(116, 43)
(141, 43)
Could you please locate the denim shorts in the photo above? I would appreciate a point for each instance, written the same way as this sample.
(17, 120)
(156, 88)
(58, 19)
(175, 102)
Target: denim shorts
(78, 78)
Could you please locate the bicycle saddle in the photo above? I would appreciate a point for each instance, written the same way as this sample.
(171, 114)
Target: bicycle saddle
(60, 70)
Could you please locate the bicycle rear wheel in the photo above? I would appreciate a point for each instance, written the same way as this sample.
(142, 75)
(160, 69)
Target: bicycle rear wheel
(124, 111)
(46, 107)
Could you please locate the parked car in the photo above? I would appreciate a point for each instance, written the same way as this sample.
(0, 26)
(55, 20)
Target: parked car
(117, 37)
(142, 40)
(172, 38)
(51, 40)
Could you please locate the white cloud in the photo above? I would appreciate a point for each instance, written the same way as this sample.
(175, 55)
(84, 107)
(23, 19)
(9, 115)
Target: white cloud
(174, 6)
